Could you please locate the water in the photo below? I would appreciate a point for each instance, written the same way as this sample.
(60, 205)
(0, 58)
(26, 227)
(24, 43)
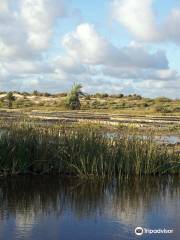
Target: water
(167, 139)
(170, 139)
(43, 208)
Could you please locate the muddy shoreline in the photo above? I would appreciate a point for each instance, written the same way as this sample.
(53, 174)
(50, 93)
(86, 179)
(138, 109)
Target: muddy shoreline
(168, 123)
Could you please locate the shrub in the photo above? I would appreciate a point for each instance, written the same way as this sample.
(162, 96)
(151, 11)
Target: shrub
(120, 95)
(104, 95)
(145, 105)
(88, 97)
(162, 99)
(134, 97)
(176, 109)
(162, 109)
(46, 94)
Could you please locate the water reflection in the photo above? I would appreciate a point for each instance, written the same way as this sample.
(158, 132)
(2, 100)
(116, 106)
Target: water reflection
(30, 207)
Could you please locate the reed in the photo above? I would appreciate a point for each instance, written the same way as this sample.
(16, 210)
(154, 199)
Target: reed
(83, 152)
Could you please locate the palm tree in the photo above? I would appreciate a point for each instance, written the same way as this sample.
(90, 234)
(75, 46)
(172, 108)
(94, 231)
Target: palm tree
(73, 101)
(10, 98)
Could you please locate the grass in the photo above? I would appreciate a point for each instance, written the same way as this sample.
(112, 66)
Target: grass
(83, 152)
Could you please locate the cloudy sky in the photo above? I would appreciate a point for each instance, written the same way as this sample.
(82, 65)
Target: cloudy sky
(113, 46)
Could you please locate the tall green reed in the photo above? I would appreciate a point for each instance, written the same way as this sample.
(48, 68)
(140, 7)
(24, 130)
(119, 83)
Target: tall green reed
(84, 152)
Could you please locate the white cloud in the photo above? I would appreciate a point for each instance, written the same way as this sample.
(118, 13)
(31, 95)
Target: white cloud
(28, 59)
(170, 30)
(3, 6)
(26, 26)
(28, 67)
(26, 29)
(39, 17)
(160, 88)
(70, 65)
(139, 74)
(115, 69)
(137, 16)
(4, 74)
(87, 46)
(140, 20)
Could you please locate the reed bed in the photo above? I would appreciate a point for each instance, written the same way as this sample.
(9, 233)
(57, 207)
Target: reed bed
(83, 152)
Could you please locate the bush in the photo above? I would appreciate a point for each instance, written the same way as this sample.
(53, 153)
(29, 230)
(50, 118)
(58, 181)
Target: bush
(135, 97)
(145, 105)
(162, 109)
(46, 94)
(35, 93)
(104, 95)
(25, 94)
(176, 109)
(23, 103)
(88, 97)
(162, 99)
(120, 95)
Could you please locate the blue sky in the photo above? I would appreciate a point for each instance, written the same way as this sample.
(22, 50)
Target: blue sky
(109, 46)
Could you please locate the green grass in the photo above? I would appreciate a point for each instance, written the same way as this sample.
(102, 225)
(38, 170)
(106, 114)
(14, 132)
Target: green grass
(83, 151)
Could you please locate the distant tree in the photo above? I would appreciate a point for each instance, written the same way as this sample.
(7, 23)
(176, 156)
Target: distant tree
(10, 98)
(88, 97)
(104, 95)
(35, 93)
(46, 94)
(25, 93)
(135, 97)
(138, 97)
(120, 95)
(73, 101)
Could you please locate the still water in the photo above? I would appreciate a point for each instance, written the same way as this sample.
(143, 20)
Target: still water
(43, 208)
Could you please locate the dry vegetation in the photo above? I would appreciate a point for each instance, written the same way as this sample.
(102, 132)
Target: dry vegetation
(131, 104)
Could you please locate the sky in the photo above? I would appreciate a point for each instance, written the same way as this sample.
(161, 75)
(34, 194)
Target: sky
(113, 46)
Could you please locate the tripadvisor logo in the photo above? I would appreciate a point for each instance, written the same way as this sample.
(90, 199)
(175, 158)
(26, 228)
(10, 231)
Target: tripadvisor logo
(140, 231)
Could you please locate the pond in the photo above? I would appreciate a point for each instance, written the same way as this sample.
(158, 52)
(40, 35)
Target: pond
(166, 139)
(46, 208)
